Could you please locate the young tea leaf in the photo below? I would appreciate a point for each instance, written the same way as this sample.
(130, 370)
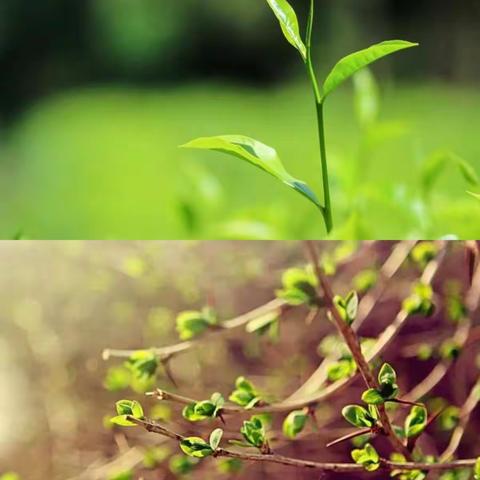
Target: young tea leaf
(351, 64)
(289, 22)
(258, 154)
(368, 457)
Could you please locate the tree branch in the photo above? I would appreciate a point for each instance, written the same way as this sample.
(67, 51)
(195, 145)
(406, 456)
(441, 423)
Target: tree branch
(154, 427)
(353, 343)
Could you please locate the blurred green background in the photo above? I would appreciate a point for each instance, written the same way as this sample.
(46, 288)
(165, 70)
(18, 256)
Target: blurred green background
(96, 95)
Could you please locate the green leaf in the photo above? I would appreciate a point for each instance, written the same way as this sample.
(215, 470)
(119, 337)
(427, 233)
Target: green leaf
(368, 457)
(351, 64)
(351, 306)
(196, 447)
(215, 438)
(373, 397)
(450, 417)
(122, 421)
(192, 323)
(387, 374)
(416, 421)
(253, 432)
(129, 407)
(245, 394)
(259, 155)
(358, 416)
(294, 423)
(344, 368)
(289, 22)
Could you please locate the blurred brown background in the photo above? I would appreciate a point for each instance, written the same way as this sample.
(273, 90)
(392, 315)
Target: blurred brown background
(64, 302)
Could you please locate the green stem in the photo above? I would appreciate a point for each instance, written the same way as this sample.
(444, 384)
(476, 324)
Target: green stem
(327, 210)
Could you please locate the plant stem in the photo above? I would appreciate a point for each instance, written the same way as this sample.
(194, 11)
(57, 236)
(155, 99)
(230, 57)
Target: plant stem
(327, 209)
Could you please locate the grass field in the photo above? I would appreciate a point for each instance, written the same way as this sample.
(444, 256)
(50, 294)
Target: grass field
(104, 163)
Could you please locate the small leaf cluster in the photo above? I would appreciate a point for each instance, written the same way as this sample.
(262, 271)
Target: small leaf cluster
(192, 323)
(368, 457)
(198, 448)
(254, 433)
(294, 423)
(245, 394)
(347, 306)
(196, 412)
(299, 287)
(387, 390)
(126, 409)
(423, 253)
(416, 421)
(420, 302)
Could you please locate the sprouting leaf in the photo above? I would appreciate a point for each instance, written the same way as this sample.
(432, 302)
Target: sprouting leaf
(192, 323)
(365, 280)
(294, 423)
(289, 22)
(424, 252)
(416, 421)
(358, 416)
(125, 409)
(450, 349)
(351, 64)
(196, 447)
(259, 155)
(449, 418)
(215, 438)
(204, 409)
(373, 397)
(253, 432)
(368, 457)
(299, 287)
(387, 374)
(347, 307)
(245, 394)
(420, 301)
(143, 364)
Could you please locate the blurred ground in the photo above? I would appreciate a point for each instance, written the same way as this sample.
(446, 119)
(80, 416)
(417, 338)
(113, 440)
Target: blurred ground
(64, 302)
(104, 163)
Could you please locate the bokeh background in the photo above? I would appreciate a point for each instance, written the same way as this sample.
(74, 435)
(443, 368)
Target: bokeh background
(96, 95)
(64, 302)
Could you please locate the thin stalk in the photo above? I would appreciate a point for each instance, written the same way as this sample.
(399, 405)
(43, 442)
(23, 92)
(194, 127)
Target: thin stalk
(327, 209)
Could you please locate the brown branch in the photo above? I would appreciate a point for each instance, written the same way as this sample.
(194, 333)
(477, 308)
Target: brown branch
(154, 427)
(367, 303)
(353, 342)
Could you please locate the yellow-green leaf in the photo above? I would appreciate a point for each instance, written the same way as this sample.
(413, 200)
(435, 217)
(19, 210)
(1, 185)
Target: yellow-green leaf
(351, 64)
(258, 154)
(289, 22)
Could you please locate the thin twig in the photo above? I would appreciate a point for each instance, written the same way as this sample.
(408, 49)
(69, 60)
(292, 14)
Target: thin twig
(154, 427)
(353, 342)
(367, 303)
(171, 350)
